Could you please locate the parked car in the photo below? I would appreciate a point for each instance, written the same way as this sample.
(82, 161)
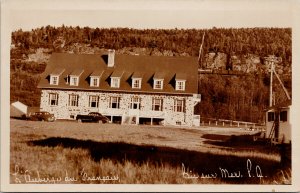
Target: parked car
(92, 117)
(41, 116)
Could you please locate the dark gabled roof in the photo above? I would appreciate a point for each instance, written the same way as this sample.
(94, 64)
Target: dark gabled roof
(160, 75)
(180, 76)
(137, 74)
(97, 73)
(57, 71)
(76, 72)
(125, 66)
(117, 73)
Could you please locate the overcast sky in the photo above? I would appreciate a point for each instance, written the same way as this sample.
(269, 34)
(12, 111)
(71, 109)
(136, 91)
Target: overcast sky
(28, 14)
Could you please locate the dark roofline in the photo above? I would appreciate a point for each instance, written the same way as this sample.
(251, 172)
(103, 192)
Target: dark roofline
(117, 90)
(163, 67)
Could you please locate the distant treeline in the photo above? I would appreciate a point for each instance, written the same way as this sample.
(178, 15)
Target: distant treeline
(259, 41)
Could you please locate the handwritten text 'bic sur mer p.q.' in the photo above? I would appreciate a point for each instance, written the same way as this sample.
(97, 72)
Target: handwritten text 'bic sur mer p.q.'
(249, 172)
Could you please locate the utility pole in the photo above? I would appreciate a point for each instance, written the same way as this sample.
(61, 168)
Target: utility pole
(271, 60)
(200, 49)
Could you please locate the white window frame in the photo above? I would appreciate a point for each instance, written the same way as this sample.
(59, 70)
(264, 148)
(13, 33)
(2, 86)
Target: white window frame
(73, 100)
(115, 82)
(179, 105)
(180, 85)
(53, 81)
(93, 99)
(114, 100)
(135, 101)
(72, 82)
(92, 81)
(136, 83)
(53, 97)
(157, 102)
(158, 84)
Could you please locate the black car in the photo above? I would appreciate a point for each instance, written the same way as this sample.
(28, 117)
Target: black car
(92, 117)
(41, 116)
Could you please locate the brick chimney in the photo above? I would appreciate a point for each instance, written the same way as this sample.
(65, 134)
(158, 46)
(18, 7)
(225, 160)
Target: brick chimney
(111, 58)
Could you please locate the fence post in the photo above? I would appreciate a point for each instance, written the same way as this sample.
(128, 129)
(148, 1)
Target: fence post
(223, 123)
(208, 122)
(216, 122)
(238, 124)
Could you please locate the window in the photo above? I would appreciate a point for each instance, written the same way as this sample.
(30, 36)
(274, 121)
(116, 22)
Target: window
(135, 103)
(54, 80)
(179, 105)
(180, 85)
(114, 102)
(53, 99)
(73, 100)
(157, 104)
(94, 101)
(158, 84)
(74, 80)
(283, 116)
(94, 81)
(271, 116)
(115, 82)
(136, 83)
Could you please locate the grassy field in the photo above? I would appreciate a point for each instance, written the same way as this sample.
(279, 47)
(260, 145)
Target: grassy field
(71, 152)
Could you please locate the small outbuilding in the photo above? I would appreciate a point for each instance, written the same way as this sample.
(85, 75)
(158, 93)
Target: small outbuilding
(18, 109)
(278, 125)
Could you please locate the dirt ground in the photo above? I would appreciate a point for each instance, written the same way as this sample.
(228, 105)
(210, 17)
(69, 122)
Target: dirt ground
(179, 137)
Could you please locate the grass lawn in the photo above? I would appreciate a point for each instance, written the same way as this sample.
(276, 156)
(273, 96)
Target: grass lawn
(71, 152)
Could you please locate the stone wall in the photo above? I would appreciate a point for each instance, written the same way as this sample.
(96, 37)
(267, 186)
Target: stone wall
(63, 111)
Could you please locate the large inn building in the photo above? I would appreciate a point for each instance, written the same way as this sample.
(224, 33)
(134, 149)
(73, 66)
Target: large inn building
(131, 89)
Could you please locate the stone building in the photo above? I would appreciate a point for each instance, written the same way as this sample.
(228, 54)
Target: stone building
(125, 88)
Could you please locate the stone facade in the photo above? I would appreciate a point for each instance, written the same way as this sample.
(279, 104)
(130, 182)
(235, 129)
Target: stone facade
(167, 115)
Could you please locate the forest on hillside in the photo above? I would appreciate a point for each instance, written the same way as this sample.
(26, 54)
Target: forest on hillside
(237, 97)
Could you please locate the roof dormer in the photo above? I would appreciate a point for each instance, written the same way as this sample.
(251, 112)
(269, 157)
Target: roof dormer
(115, 79)
(136, 78)
(180, 79)
(74, 77)
(158, 80)
(95, 78)
(54, 76)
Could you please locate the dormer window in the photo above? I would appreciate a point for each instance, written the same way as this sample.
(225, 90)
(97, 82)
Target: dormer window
(180, 85)
(136, 83)
(115, 79)
(74, 77)
(54, 76)
(115, 82)
(74, 80)
(54, 80)
(180, 81)
(158, 80)
(95, 78)
(94, 81)
(158, 84)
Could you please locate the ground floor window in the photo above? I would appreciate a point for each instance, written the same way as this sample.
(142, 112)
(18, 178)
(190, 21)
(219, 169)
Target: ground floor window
(94, 101)
(135, 103)
(53, 99)
(179, 105)
(114, 102)
(283, 116)
(271, 116)
(73, 100)
(157, 104)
